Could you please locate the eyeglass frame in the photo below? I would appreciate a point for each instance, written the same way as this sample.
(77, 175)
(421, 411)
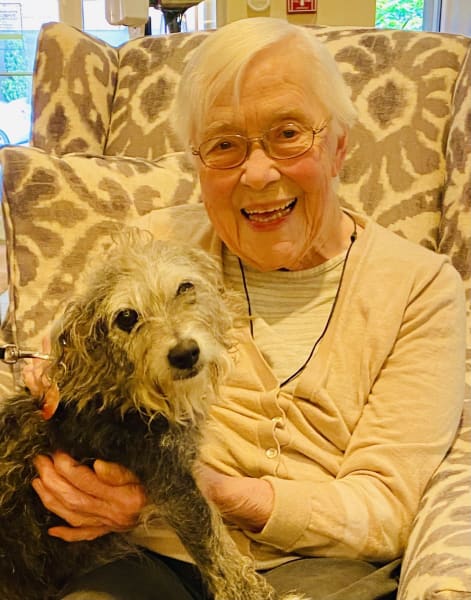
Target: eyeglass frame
(250, 141)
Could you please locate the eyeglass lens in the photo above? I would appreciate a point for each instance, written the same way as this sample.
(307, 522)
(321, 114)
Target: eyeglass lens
(280, 142)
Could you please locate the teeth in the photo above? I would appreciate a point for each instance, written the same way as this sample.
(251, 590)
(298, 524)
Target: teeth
(265, 216)
(256, 212)
(269, 217)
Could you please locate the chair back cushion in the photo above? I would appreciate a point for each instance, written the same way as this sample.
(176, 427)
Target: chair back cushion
(409, 153)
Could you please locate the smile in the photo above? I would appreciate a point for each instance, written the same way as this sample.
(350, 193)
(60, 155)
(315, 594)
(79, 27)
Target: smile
(266, 216)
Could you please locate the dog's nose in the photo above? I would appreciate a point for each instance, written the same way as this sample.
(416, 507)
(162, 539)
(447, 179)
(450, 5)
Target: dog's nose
(184, 355)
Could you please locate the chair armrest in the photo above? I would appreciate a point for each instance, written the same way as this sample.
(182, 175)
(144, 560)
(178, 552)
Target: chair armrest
(437, 563)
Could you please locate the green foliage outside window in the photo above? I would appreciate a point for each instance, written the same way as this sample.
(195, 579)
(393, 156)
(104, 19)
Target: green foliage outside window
(400, 14)
(14, 60)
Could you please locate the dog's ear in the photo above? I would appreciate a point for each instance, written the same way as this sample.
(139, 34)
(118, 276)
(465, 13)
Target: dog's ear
(80, 350)
(100, 332)
(81, 331)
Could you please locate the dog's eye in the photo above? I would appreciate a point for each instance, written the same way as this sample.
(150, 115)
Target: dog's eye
(185, 286)
(126, 319)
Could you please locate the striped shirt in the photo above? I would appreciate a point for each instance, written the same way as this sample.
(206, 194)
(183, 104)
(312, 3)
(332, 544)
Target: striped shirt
(289, 308)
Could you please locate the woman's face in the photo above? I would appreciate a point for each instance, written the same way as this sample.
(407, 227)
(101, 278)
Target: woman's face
(273, 213)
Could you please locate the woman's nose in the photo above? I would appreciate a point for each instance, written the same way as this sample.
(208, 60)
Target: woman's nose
(259, 169)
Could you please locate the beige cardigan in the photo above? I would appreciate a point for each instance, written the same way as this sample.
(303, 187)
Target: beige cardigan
(372, 415)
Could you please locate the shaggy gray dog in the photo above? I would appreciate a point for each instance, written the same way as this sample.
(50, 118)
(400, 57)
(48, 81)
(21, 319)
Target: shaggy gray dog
(139, 357)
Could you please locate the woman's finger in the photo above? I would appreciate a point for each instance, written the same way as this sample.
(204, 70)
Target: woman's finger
(35, 376)
(64, 499)
(75, 493)
(46, 344)
(76, 518)
(115, 487)
(113, 473)
(50, 401)
(35, 371)
(71, 534)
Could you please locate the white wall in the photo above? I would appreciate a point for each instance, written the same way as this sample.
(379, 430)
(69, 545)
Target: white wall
(456, 16)
(329, 12)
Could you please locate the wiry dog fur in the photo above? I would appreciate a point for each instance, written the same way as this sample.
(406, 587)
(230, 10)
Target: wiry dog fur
(139, 358)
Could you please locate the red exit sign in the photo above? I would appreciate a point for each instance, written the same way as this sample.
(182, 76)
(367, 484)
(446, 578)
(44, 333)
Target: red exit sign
(302, 6)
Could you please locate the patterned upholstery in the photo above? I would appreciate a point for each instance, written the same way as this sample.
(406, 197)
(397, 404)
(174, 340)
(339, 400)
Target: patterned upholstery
(81, 77)
(102, 120)
(57, 211)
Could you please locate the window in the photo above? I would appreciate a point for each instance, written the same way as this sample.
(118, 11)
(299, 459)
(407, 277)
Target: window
(450, 16)
(20, 22)
(95, 23)
(454, 16)
(19, 26)
(405, 14)
(202, 16)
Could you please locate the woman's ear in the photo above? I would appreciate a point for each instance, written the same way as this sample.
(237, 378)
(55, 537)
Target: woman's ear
(340, 153)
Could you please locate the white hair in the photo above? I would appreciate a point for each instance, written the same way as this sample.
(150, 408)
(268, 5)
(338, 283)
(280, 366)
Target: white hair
(221, 61)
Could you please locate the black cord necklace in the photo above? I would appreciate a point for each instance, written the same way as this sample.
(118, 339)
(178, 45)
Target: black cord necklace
(353, 238)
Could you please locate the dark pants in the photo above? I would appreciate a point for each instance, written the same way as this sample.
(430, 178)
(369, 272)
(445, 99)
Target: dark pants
(155, 577)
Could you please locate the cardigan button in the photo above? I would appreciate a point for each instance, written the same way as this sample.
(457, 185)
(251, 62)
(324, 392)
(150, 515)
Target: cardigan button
(271, 453)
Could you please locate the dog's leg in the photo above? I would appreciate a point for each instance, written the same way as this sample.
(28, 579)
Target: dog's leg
(229, 575)
(172, 488)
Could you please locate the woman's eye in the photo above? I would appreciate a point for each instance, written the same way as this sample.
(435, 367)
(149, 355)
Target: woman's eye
(185, 286)
(286, 132)
(219, 146)
(289, 133)
(126, 319)
(224, 145)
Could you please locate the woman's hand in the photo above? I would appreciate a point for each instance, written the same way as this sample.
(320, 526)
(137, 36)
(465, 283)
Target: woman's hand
(244, 501)
(92, 501)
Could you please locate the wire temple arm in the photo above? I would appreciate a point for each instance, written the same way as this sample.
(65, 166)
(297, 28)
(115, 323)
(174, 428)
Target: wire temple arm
(11, 354)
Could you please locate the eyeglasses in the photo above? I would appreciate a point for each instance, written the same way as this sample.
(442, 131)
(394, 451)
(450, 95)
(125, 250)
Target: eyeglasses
(280, 142)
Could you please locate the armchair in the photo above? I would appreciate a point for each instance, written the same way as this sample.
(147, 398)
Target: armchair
(104, 150)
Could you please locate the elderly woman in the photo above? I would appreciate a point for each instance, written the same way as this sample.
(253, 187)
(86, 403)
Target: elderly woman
(347, 386)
